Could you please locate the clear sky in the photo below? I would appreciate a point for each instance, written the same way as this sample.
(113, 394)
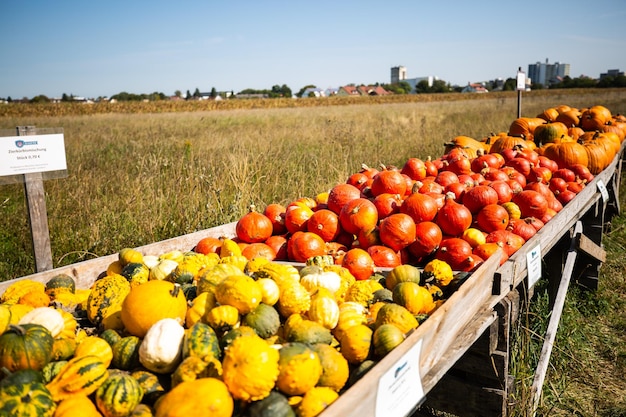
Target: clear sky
(94, 48)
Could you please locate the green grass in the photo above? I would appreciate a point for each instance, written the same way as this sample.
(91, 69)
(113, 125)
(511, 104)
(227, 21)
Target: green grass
(135, 179)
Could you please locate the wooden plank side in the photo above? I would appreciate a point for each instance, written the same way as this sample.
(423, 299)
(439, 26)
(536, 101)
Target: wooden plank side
(85, 273)
(448, 325)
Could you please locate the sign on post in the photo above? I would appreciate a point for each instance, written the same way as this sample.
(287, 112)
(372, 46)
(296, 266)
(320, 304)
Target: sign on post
(520, 86)
(29, 157)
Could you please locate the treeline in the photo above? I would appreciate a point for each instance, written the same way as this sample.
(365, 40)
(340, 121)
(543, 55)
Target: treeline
(403, 87)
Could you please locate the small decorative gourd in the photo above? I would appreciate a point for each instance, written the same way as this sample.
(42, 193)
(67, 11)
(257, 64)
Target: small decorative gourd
(27, 399)
(300, 369)
(356, 344)
(264, 319)
(104, 303)
(25, 346)
(335, 367)
(118, 395)
(161, 348)
(48, 317)
(250, 368)
(79, 376)
(316, 400)
(239, 291)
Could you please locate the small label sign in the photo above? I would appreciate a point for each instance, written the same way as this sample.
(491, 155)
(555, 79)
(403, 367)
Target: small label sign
(32, 153)
(533, 263)
(400, 388)
(603, 191)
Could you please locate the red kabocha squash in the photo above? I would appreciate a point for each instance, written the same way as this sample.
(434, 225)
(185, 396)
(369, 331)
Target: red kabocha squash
(279, 244)
(276, 213)
(340, 194)
(254, 227)
(296, 217)
(358, 214)
(325, 224)
(531, 203)
(509, 241)
(397, 231)
(520, 164)
(359, 180)
(454, 218)
(259, 250)
(522, 228)
(428, 236)
(445, 178)
(304, 245)
(486, 250)
(359, 263)
(388, 180)
(387, 204)
(454, 251)
(383, 256)
(492, 217)
(415, 169)
(208, 245)
(503, 189)
(478, 197)
(421, 207)
(369, 237)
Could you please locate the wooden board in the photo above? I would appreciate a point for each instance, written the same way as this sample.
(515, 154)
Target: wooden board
(85, 273)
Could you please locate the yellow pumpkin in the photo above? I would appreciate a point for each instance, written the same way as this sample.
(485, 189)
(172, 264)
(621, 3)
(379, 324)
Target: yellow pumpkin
(250, 368)
(150, 302)
(208, 396)
(222, 318)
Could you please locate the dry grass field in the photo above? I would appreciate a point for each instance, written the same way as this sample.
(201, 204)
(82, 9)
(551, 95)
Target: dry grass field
(141, 176)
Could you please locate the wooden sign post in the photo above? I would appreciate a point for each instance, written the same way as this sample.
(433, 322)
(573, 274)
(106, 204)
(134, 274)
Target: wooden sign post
(32, 156)
(37, 212)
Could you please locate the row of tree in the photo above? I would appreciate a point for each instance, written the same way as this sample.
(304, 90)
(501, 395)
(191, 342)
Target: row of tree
(402, 87)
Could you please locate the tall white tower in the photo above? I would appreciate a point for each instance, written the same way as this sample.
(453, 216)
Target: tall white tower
(398, 74)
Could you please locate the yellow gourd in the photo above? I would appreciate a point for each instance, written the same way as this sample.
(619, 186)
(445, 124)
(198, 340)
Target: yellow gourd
(250, 368)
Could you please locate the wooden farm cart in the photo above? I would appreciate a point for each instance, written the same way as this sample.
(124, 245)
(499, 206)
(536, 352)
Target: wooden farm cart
(570, 246)
(457, 360)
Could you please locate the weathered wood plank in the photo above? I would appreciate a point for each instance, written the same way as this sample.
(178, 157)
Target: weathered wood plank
(85, 273)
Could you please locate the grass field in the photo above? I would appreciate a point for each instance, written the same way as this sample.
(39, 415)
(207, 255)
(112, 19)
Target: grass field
(136, 177)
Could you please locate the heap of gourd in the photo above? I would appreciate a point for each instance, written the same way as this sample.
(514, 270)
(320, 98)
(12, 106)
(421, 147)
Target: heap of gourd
(231, 328)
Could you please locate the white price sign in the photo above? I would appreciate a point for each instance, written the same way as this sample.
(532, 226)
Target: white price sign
(400, 388)
(32, 153)
(533, 263)
(603, 191)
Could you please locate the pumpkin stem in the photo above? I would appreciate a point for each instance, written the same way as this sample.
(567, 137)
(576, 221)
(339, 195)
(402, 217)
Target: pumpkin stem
(175, 290)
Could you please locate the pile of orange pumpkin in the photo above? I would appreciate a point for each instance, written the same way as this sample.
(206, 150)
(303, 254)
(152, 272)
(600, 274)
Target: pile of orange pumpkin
(229, 329)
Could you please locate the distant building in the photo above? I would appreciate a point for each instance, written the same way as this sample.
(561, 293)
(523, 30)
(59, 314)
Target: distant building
(546, 73)
(474, 88)
(398, 74)
(362, 90)
(612, 73)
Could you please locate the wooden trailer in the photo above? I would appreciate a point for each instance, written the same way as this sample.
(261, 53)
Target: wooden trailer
(457, 360)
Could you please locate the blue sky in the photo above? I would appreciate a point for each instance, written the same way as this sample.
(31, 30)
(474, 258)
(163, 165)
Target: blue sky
(92, 48)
